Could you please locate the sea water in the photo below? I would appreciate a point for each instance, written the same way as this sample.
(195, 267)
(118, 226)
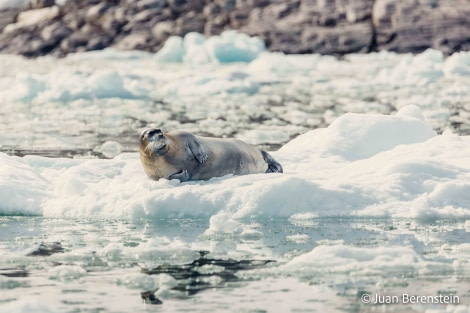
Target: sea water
(320, 264)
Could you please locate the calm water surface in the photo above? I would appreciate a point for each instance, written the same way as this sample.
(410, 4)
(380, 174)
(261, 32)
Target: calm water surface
(97, 264)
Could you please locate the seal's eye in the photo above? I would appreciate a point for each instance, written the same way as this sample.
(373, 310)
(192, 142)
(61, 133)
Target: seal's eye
(142, 134)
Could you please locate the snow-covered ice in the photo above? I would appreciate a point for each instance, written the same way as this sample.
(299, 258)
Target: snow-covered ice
(373, 198)
(360, 165)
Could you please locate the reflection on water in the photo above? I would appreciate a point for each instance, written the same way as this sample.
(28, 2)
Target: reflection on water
(84, 264)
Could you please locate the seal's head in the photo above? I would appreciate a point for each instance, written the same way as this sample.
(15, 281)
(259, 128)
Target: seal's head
(152, 142)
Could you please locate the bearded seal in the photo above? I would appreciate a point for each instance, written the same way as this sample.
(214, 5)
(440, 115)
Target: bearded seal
(184, 156)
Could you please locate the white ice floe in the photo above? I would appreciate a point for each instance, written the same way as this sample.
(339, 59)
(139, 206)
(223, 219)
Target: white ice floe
(341, 258)
(21, 187)
(362, 164)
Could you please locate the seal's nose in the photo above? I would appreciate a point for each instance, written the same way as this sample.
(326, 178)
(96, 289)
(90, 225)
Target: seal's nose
(154, 132)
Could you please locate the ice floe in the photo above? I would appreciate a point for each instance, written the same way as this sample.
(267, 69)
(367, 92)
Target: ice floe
(362, 164)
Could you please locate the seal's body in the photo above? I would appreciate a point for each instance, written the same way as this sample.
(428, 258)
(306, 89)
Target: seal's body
(184, 156)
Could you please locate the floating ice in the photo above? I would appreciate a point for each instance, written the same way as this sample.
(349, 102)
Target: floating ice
(269, 65)
(341, 258)
(172, 51)
(91, 85)
(298, 238)
(36, 305)
(110, 149)
(66, 273)
(139, 281)
(232, 46)
(303, 219)
(21, 187)
(355, 136)
(458, 64)
(362, 164)
(421, 70)
(264, 136)
(194, 49)
(86, 99)
(208, 85)
(9, 283)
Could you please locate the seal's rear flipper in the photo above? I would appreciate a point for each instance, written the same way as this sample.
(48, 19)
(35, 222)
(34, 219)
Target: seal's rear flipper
(273, 165)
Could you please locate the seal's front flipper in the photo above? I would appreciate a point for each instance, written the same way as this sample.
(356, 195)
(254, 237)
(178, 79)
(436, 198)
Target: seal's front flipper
(182, 176)
(199, 151)
(273, 165)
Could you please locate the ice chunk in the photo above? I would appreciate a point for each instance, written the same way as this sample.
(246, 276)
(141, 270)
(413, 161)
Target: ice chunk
(422, 69)
(264, 136)
(232, 46)
(66, 273)
(110, 149)
(194, 49)
(458, 64)
(22, 188)
(341, 258)
(172, 51)
(411, 111)
(355, 136)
